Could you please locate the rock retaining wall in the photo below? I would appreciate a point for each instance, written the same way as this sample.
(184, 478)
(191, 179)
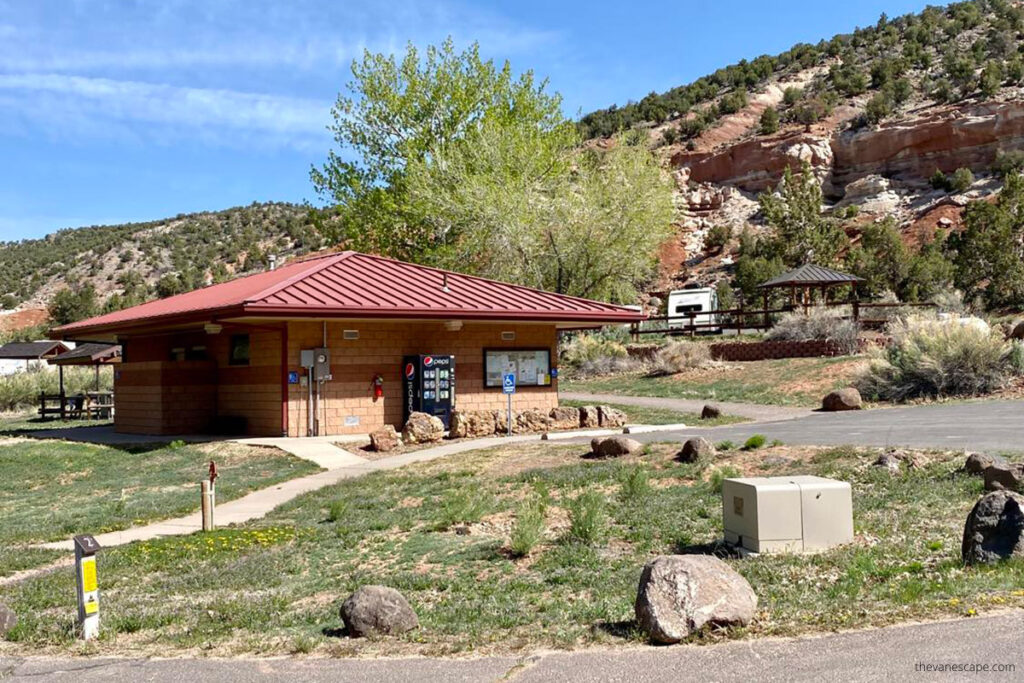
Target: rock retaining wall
(766, 350)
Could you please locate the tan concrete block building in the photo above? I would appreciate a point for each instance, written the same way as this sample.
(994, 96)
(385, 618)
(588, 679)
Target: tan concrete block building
(241, 357)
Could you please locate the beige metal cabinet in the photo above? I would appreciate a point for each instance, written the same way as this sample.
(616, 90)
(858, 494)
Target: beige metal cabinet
(787, 514)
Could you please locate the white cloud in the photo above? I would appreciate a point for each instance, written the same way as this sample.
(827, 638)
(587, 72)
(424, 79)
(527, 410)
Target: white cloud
(83, 104)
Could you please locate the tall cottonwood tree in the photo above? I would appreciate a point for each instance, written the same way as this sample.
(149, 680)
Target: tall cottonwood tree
(393, 114)
(459, 164)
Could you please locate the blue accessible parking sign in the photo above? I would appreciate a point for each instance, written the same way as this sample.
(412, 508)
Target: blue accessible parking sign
(508, 383)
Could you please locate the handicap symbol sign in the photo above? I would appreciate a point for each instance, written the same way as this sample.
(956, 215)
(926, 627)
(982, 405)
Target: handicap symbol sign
(508, 383)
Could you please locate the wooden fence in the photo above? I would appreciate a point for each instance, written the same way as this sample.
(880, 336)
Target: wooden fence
(740, 319)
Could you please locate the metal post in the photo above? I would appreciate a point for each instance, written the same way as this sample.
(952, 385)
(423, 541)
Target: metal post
(88, 586)
(509, 414)
(206, 493)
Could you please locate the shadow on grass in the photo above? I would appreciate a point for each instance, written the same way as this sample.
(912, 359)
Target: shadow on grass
(335, 632)
(627, 629)
(718, 548)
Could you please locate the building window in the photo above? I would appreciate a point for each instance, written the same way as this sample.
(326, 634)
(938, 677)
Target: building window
(239, 353)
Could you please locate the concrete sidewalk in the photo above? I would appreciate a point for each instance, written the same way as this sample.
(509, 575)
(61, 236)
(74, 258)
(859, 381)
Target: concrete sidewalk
(338, 463)
(753, 411)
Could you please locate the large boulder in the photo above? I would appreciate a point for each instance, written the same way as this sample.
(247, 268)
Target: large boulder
(564, 417)
(532, 420)
(589, 417)
(473, 423)
(1004, 475)
(697, 449)
(843, 399)
(613, 446)
(384, 439)
(377, 610)
(422, 428)
(681, 594)
(8, 620)
(610, 418)
(977, 463)
(994, 529)
(1018, 331)
(710, 412)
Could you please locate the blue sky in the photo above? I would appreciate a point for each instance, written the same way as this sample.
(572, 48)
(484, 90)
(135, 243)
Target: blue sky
(115, 111)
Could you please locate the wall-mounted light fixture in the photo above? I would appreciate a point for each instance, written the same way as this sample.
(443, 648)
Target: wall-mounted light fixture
(453, 325)
(350, 334)
(508, 335)
(213, 328)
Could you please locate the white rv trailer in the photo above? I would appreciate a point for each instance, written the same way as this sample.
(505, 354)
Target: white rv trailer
(682, 303)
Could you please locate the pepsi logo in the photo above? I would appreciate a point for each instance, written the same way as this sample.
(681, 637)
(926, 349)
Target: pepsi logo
(410, 370)
(428, 361)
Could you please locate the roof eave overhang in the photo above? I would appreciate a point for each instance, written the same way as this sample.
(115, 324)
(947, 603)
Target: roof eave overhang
(580, 318)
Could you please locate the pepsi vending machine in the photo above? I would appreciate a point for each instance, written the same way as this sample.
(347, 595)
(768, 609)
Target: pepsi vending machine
(430, 386)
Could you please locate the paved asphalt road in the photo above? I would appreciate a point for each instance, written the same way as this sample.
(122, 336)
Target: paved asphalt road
(895, 653)
(991, 426)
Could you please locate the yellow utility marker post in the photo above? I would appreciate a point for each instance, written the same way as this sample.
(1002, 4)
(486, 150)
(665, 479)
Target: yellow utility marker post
(88, 586)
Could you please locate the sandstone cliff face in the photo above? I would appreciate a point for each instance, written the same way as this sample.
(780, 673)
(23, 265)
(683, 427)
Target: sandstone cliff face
(947, 139)
(757, 164)
(909, 149)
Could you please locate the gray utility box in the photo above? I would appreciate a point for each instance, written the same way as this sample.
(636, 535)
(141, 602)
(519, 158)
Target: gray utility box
(787, 514)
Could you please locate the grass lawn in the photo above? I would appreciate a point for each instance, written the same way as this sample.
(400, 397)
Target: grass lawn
(787, 382)
(440, 532)
(649, 415)
(13, 424)
(51, 490)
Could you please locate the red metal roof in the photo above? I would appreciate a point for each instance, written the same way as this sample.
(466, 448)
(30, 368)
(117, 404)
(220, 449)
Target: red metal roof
(354, 285)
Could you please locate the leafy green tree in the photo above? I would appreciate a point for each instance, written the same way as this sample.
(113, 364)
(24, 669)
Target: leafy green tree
(396, 113)
(991, 78)
(726, 298)
(988, 255)
(791, 95)
(880, 258)
(70, 305)
(877, 108)
(769, 122)
(801, 232)
(518, 204)
(960, 68)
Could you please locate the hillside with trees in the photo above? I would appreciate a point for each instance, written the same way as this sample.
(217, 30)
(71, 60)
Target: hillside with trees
(892, 152)
(84, 271)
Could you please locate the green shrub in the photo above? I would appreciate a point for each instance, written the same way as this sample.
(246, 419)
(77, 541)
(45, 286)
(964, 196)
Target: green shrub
(720, 474)
(962, 180)
(337, 510)
(878, 107)
(587, 519)
(733, 102)
(528, 529)
(791, 95)
(769, 122)
(934, 357)
(754, 442)
(1010, 161)
(594, 354)
(717, 237)
(725, 445)
(679, 356)
(939, 181)
(635, 483)
(819, 322)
